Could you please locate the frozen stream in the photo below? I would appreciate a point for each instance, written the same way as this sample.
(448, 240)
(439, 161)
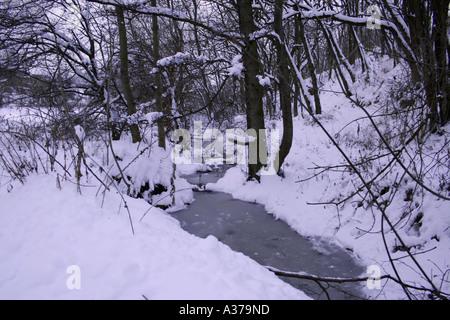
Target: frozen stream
(246, 227)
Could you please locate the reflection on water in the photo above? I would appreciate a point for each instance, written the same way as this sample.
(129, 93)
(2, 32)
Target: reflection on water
(247, 228)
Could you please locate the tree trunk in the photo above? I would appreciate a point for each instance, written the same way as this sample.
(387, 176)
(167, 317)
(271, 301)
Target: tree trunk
(158, 81)
(440, 23)
(124, 76)
(427, 22)
(284, 84)
(253, 91)
(312, 69)
(337, 58)
(352, 10)
(364, 61)
(300, 90)
(199, 53)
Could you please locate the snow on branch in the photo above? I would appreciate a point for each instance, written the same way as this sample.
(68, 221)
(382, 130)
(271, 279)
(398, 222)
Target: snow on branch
(237, 67)
(309, 12)
(143, 7)
(179, 58)
(317, 279)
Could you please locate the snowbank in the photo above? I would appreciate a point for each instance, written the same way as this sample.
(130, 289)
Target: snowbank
(151, 175)
(44, 231)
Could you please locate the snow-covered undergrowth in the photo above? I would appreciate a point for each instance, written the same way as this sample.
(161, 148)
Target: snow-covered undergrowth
(150, 175)
(321, 196)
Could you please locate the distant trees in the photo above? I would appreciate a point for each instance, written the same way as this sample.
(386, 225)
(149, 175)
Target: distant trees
(126, 58)
(427, 35)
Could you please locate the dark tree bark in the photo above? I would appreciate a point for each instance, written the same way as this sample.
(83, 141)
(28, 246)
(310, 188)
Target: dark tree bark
(158, 81)
(361, 51)
(124, 75)
(440, 25)
(333, 50)
(352, 10)
(283, 84)
(427, 22)
(312, 69)
(297, 40)
(253, 90)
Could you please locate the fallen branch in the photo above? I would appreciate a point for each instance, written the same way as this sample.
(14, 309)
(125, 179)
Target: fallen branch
(318, 280)
(307, 276)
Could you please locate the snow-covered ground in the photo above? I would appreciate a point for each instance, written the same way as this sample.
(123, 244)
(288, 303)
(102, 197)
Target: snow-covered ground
(46, 231)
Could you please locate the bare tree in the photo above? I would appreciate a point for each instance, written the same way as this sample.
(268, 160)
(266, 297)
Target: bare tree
(284, 82)
(253, 91)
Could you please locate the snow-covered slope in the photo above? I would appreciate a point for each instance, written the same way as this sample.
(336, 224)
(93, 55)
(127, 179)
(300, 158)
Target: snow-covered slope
(45, 231)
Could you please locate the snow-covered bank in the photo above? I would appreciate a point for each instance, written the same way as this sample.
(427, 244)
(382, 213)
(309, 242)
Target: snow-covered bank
(304, 197)
(44, 231)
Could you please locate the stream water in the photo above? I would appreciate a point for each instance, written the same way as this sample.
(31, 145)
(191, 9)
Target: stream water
(247, 227)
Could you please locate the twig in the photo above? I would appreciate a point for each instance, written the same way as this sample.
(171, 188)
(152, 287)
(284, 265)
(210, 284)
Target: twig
(395, 154)
(39, 145)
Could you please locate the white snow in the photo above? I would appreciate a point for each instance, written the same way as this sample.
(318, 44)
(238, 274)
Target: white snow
(177, 59)
(142, 6)
(264, 81)
(45, 231)
(49, 231)
(237, 67)
(79, 131)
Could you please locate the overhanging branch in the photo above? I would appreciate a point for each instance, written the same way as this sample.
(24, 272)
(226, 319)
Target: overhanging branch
(141, 8)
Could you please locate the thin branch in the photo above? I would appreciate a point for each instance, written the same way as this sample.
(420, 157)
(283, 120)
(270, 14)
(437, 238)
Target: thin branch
(317, 279)
(395, 153)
